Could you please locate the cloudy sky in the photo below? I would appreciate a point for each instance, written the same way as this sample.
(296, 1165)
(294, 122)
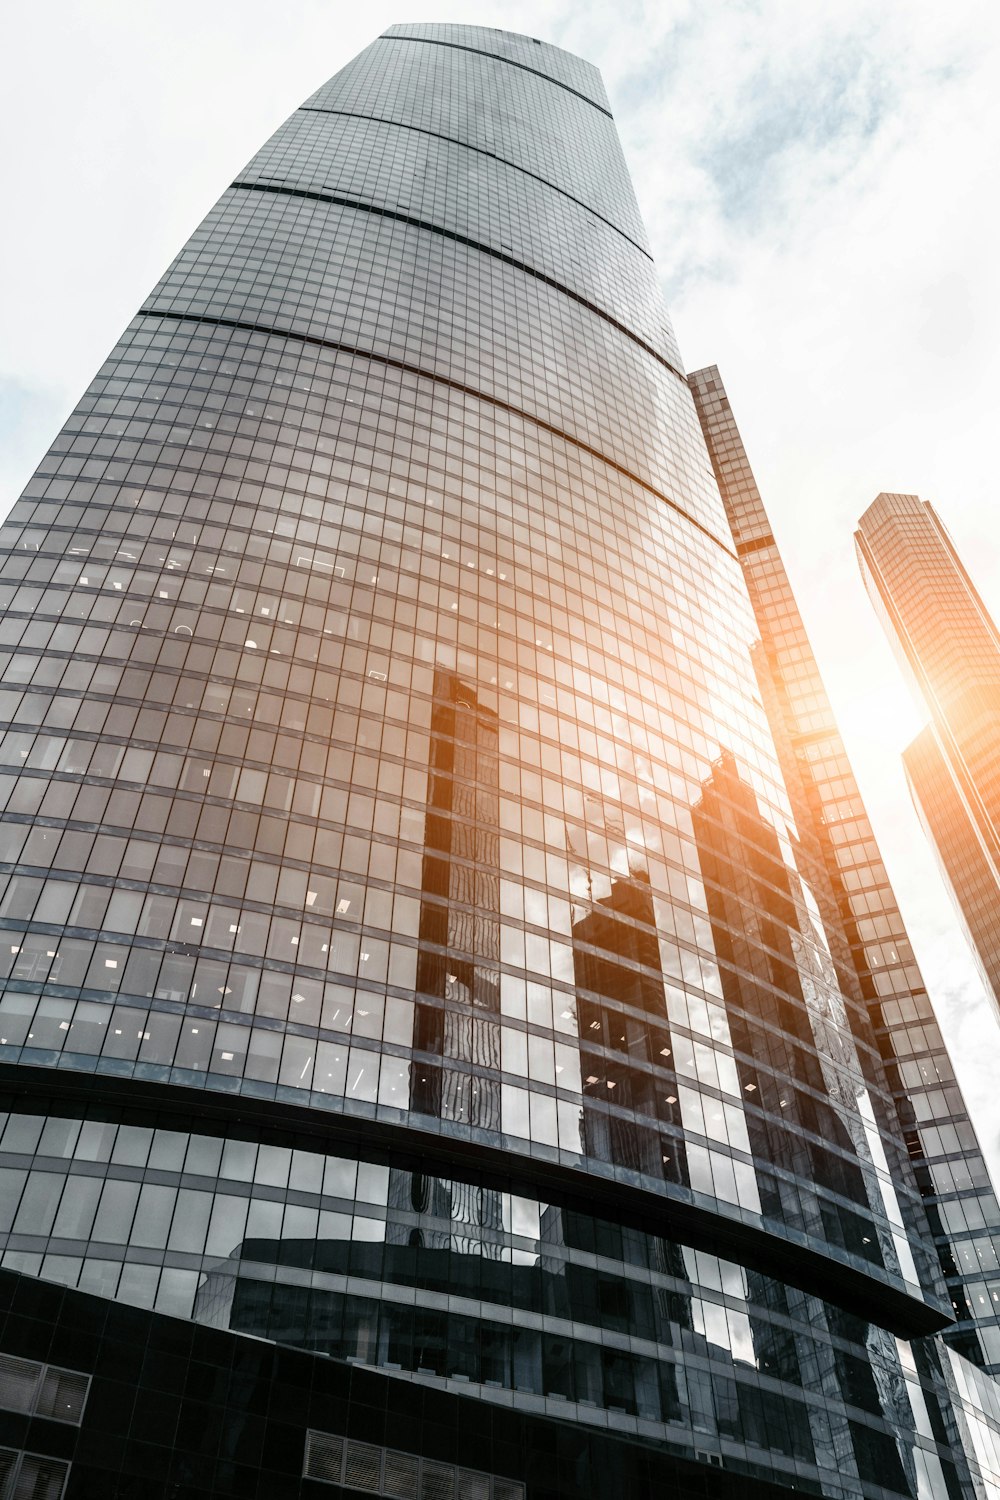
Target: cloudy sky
(820, 184)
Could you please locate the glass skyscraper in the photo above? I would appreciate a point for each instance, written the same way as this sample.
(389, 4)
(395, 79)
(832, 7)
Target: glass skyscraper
(428, 1071)
(864, 928)
(949, 649)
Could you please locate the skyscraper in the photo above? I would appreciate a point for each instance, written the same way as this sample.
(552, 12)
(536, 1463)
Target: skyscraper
(863, 925)
(427, 1073)
(949, 649)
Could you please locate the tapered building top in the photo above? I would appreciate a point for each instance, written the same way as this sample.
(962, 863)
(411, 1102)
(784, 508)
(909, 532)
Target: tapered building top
(936, 620)
(949, 648)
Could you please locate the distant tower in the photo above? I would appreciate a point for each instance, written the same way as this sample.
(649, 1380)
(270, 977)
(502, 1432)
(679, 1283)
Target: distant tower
(950, 651)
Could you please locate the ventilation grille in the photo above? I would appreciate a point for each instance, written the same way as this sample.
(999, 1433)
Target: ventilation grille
(324, 1457)
(42, 1390)
(363, 1467)
(478, 1487)
(19, 1382)
(62, 1395)
(437, 1482)
(399, 1476)
(30, 1476)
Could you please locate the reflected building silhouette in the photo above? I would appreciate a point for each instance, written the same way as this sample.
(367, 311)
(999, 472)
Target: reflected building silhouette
(801, 1109)
(458, 978)
(754, 917)
(626, 1066)
(625, 1062)
(457, 994)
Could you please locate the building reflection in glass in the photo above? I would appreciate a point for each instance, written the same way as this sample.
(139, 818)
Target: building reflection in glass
(626, 1063)
(457, 1009)
(807, 1096)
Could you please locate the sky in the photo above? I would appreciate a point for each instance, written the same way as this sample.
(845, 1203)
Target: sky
(819, 183)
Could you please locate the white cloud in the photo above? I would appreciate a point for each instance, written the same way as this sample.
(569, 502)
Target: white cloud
(819, 184)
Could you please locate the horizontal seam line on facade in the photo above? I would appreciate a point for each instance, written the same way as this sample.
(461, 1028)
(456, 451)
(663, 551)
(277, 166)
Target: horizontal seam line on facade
(249, 326)
(431, 41)
(438, 135)
(154, 943)
(871, 1291)
(757, 545)
(342, 201)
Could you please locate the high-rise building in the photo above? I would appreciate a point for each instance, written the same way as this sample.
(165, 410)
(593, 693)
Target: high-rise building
(949, 649)
(864, 928)
(426, 1067)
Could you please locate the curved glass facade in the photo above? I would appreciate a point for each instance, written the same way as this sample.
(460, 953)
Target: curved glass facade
(381, 1264)
(385, 782)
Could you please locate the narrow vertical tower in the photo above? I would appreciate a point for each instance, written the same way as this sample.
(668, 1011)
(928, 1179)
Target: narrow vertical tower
(425, 1070)
(864, 926)
(949, 649)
